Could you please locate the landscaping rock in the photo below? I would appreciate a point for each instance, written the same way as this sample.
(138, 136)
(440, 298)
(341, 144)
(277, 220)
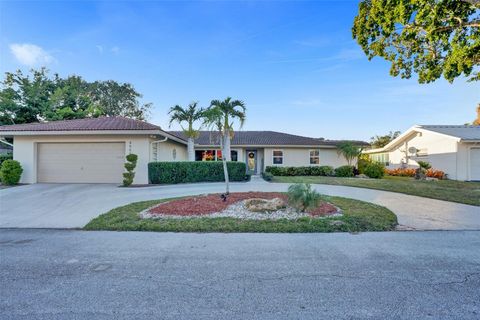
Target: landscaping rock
(262, 205)
(337, 223)
(362, 176)
(431, 179)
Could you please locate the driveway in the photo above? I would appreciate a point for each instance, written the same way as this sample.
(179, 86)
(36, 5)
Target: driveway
(74, 205)
(59, 274)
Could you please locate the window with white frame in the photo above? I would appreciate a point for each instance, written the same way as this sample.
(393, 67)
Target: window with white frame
(314, 156)
(277, 156)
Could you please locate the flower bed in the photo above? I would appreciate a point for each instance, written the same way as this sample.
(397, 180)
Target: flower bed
(212, 205)
(410, 172)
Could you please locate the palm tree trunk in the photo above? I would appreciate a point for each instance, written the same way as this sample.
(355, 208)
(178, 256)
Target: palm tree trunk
(191, 149)
(225, 168)
(226, 152)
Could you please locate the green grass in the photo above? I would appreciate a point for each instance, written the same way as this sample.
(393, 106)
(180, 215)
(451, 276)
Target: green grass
(449, 190)
(357, 216)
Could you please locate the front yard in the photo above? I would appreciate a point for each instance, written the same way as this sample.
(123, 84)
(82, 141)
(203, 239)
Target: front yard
(449, 190)
(356, 216)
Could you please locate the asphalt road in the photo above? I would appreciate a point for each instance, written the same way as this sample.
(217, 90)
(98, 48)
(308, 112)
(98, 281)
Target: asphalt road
(65, 274)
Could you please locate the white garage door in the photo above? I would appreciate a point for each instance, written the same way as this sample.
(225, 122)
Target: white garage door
(80, 162)
(475, 164)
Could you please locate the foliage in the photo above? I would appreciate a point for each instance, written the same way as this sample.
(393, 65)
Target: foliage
(194, 171)
(357, 216)
(401, 172)
(38, 97)
(382, 141)
(349, 151)
(428, 37)
(130, 167)
(375, 170)
(10, 172)
(267, 176)
(189, 115)
(424, 164)
(431, 173)
(362, 162)
(5, 156)
(345, 171)
(303, 197)
(301, 171)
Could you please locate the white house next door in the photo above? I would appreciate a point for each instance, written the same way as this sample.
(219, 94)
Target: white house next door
(475, 164)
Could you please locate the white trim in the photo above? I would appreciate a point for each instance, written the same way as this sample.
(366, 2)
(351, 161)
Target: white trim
(469, 165)
(273, 157)
(310, 157)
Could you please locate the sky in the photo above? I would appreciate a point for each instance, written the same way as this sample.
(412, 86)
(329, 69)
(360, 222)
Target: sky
(293, 63)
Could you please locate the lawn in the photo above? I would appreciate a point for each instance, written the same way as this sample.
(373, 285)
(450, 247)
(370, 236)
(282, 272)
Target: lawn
(449, 190)
(357, 216)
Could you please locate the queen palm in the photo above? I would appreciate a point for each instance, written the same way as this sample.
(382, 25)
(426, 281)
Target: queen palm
(220, 117)
(190, 115)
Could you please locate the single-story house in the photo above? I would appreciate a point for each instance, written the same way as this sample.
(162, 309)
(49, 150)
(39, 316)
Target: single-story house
(454, 149)
(93, 150)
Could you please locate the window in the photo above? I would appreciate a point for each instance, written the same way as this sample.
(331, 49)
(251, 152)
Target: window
(277, 157)
(380, 157)
(314, 157)
(209, 155)
(234, 155)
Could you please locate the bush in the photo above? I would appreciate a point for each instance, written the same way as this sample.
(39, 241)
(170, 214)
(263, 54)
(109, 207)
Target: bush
(345, 171)
(10, 172)
(300, 171)
(424, 164)
(194, 171)
(401, 172)
(431, 173)
(303, 197)
(130, 167)
(5, 156)
(362, 163)
(267, 176)
(375, 170)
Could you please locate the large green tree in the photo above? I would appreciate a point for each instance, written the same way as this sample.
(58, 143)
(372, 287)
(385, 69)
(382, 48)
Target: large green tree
(430, 38)
(39, 97)
(382, 141)
(189, 115)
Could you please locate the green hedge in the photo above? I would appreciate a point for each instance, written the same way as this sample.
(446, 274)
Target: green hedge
(345, 171)
(194, 171)
(301, 171)
(5, 156)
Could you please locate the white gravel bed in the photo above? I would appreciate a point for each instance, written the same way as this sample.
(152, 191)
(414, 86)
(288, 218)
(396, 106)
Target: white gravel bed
(239, 211)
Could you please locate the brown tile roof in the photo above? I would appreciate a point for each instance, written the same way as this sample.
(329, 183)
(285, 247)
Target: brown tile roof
(90, 124)
(262, 138)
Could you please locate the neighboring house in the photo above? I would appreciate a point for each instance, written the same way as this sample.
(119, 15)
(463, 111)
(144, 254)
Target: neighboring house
(453, 149)
(93, 150)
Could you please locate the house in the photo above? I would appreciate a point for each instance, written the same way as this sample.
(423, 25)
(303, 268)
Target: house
(93, 150)
(454, 149)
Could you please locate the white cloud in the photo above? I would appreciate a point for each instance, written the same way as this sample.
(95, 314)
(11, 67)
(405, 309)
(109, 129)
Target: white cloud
(115, 50)
(30, 54)
(100, 48)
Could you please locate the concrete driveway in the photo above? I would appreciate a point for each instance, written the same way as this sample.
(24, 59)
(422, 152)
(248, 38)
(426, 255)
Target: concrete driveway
(74, 205)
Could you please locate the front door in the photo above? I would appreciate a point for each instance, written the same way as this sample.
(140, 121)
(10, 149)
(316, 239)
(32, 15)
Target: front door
(252, 161)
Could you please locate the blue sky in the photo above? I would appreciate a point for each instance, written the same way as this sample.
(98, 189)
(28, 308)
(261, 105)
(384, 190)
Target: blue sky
(293, 63)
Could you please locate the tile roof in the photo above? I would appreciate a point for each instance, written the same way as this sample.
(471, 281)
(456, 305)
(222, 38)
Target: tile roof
(89, 124)
(462, 132)
(262, 138)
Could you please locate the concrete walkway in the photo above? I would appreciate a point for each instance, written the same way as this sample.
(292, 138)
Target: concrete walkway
(74, 205)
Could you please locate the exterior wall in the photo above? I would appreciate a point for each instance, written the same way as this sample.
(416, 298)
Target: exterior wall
(25, 151)
(168, 151)
(297, 157)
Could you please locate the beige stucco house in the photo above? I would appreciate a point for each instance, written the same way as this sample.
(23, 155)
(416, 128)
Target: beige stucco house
(94, 150)
(453, 149)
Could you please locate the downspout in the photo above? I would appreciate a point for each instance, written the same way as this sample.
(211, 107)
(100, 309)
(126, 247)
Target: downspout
(7, 143)
(157, 141)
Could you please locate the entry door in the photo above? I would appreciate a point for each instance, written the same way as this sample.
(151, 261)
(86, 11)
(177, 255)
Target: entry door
(252, 161)
(475, 164)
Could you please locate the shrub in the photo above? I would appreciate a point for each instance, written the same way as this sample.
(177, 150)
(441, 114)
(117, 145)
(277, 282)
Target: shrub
(362, 163)
(10, 172)
(130, 167)
(424, 164)
(303, 197)
(401, 172)
(344, 171)
(267, 176)
(431, 173)
(194, 171)
(375, 170)
(300, 171)
(5, 156)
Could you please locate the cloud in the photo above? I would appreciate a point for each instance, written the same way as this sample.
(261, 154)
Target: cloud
(115, 50)
(30, 54)
(100, 48)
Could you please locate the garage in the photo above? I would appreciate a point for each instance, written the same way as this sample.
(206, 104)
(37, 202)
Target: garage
(475, 164)
(96, 162)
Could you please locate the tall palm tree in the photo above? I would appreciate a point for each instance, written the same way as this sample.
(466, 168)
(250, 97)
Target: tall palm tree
(220, 117)
(190, 115)
(349, 151)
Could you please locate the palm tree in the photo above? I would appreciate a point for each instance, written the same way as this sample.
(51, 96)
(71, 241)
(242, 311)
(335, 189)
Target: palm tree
(220, 117)
(349, 151)
(189, 115)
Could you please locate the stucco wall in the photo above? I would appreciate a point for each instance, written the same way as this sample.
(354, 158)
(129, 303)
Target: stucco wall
(25, 152)
(169, 151)
(295, 157)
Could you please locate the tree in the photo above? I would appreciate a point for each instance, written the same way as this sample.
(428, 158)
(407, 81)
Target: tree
(39, 97)
(431, 38)
(230, 111)
(219, 117)
(190, 115)
(349, 151)
(382, 141)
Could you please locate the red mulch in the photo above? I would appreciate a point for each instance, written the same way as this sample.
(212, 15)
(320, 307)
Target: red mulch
(208, 204)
